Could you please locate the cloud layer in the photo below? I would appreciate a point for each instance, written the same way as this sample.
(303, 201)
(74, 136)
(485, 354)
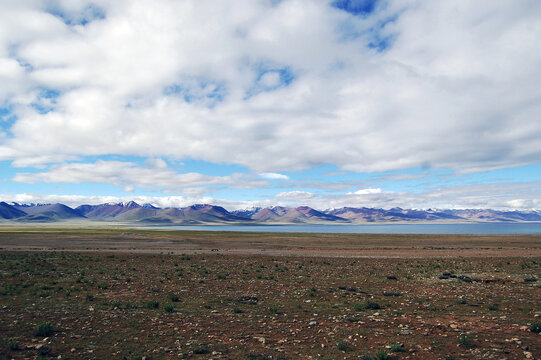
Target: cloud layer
(274, 86)
(520, 196)
(155, 175)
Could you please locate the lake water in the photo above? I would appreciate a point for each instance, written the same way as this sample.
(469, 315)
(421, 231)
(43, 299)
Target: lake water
(484, 228)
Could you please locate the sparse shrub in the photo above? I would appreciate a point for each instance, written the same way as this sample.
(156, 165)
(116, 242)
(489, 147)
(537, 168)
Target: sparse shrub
(450, 357)
(13, 344)
(382, 355)
(174, 298)
(201, 350)
(536, 327)
(103, 286)
(397, 347)
(152, 304)
(493, 307)
(273, 309)
(221, 277)
(367, 357)
(44, 330)
(371, 305)
(238, 311)
(43, 294)
(465, 341)
(130, 305)
(343, 346)
(44, 350)
(89, 297)
(170, 308)
(258, 356)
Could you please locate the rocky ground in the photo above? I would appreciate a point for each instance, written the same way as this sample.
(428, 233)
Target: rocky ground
(122, 305)
(167, 306)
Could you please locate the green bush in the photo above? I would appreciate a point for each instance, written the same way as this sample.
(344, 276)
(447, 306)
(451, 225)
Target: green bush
(343, 346)
(382, 355)
(152, 304)
(368, 305)
(465, 341)
(44, 330)
(536, 327)
(170, 308)
(201, 350)
(44, 350)
(13, 344)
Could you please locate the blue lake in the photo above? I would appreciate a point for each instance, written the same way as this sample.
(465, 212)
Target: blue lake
(483, 228)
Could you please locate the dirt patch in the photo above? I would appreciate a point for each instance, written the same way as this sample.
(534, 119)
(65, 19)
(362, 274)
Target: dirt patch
(229, 304)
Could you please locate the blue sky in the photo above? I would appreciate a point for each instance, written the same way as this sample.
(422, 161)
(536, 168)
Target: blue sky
(376, 103)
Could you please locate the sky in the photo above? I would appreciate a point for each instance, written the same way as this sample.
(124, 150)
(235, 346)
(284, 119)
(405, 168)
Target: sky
(326, 103)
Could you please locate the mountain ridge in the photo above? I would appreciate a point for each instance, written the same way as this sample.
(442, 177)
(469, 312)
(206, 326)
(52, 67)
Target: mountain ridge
(132, 212)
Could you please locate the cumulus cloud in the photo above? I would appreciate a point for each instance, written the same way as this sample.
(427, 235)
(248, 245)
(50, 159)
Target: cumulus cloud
(504, 196)
(156, 174)
(158, 201)
(446, 84)
(295, 196)
(274, 176)
(366, 191)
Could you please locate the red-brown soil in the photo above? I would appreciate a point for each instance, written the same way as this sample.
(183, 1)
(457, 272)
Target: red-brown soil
(314, 296)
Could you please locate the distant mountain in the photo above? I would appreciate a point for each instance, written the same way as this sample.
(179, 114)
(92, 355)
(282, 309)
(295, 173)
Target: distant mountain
(48, 212)
(369, 215)
(482, 215)
(209, 213)
(9, 211)
(301, 214)
(132, 212)
(106, 211)
(246, 213)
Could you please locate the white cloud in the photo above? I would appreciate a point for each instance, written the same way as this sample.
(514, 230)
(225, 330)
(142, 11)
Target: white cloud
(270, 79)
(129, 175)
(295, 195)
(274, 176)
(504, 196)
(366, 191)
(159, 201)
(458, 88)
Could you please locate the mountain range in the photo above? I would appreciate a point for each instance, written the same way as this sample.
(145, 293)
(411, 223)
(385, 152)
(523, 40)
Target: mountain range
(132, 212)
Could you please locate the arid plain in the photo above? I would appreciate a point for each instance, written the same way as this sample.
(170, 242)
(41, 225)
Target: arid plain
(80, 293)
